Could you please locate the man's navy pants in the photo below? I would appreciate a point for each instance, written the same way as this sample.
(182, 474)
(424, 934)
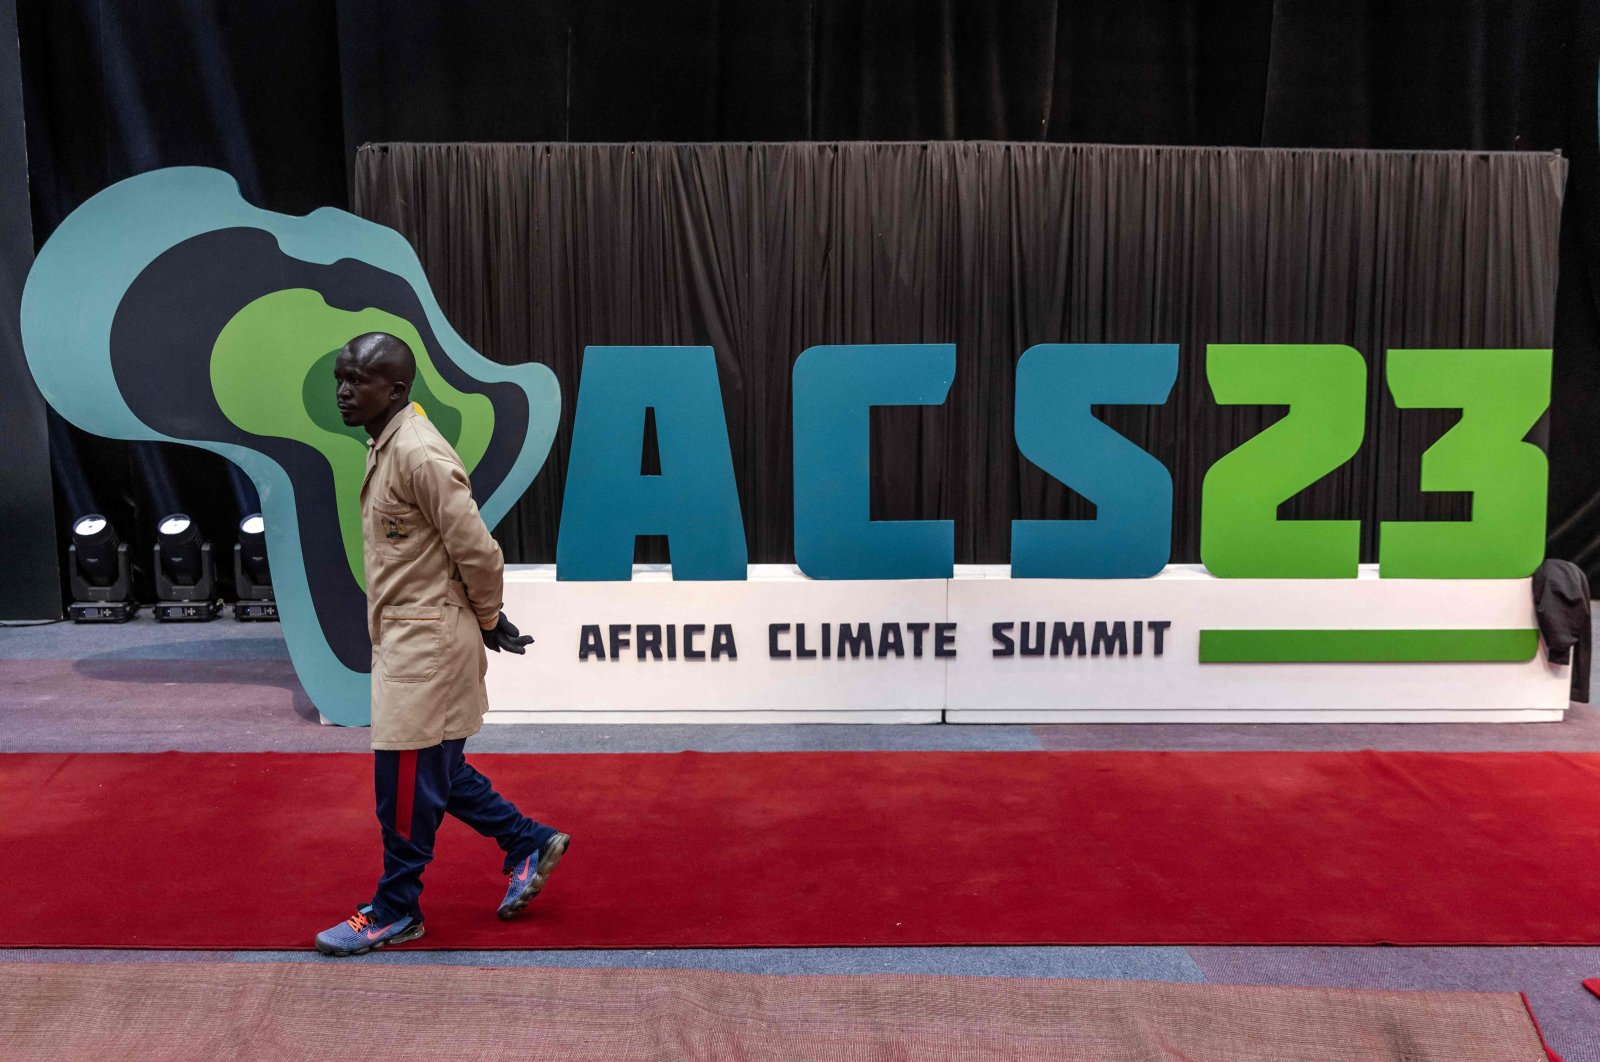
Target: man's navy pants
(415, 787)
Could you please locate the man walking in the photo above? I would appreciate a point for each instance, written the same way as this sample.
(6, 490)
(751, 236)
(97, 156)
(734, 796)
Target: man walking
(434, 585)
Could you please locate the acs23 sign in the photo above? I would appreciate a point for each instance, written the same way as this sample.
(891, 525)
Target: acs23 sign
(1501, 395)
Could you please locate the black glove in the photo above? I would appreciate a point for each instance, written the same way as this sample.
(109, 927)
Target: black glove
(506, 636)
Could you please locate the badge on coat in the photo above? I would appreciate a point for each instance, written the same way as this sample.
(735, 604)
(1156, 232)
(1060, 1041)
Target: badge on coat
(395, 527)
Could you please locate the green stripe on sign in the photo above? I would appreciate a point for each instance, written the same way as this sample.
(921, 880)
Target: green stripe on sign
(1367, 647)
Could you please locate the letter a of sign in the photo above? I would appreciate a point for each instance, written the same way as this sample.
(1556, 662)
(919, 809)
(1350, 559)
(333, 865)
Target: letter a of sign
(608, 502)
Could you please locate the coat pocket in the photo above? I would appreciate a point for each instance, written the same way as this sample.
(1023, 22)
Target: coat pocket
(411, 639)
(398, 530)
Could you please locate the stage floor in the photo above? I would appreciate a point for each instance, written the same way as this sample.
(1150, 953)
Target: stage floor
(227, 686)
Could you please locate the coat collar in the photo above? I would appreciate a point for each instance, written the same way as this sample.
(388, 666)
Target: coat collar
(393, 426)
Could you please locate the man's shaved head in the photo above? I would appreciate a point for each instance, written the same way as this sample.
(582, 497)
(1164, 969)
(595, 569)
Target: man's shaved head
(385, 355)
(373, 376)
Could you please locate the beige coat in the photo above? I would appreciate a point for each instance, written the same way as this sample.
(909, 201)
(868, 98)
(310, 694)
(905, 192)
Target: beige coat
(434, 580)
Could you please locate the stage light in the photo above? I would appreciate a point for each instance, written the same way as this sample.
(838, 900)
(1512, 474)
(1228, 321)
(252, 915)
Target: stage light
(185, 576)
(180, 548)
(97, 570)
(252, 576)
(97, 542)
(252, 548)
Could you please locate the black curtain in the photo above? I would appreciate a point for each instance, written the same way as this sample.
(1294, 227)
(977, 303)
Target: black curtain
(29, 585)
(1481, 74)
(115, 88)
(762, 250)
(283, 93)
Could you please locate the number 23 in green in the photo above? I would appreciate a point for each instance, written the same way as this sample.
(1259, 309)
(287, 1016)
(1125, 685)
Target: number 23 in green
(1501, 395)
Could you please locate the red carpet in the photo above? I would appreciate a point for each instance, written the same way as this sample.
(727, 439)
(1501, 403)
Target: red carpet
(181, 850)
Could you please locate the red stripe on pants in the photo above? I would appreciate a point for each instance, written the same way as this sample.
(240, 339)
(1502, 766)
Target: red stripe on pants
(405, 791)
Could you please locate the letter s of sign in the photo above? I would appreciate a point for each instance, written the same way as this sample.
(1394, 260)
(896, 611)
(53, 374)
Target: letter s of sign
(1057, 386)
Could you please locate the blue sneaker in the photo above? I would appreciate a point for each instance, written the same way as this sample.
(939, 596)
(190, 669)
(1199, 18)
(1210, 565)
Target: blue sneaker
(358, 934)
(529, 876)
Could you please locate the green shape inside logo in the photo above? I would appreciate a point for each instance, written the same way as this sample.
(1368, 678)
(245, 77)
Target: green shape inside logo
(272, 373)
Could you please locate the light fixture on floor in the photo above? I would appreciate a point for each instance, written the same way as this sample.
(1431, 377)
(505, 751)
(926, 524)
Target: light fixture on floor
(98, 573)
(186, 583)
(252, 576)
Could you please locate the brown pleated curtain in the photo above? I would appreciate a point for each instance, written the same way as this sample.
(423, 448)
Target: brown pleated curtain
(762, 250)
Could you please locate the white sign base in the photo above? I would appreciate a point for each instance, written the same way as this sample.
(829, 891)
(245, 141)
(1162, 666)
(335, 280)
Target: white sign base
(782, 648)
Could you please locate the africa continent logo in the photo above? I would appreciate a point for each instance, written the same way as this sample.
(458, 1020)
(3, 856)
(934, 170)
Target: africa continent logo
(167, 308)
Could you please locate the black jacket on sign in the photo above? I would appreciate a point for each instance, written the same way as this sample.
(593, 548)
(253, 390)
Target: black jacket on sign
(1561, 600)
